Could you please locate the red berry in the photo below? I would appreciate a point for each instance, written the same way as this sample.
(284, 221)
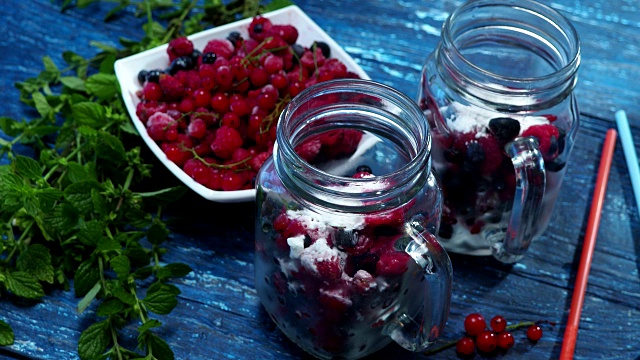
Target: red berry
(505, 340)
(465, 346)
(486, 341)
(179, 47)
(197, 128)
(547, 136)
(171, 87)
(152, 91)
(474, 324)
(498, 323)
(220, 102)
(224, 77)
(231, 181)
(201, 98)
(223, 48)
(392, 264)
(534, 333)
(309, 149)
(226, 141)
(258, 77)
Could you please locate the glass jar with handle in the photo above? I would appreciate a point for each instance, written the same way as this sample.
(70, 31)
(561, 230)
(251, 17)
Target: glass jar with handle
(346, 258)
(498, 95)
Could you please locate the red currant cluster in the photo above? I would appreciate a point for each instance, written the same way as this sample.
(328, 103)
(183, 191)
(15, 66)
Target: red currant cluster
(214, 112)
(498, 337)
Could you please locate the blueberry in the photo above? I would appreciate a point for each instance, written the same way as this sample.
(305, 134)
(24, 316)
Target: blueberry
(326, 51)
(234, 37)
(446, 231)
(180, 63)
(475, 153)
(364, 168)
(504, 129)
(154, 75)
(142, 77)
(194, 56)
(346, 239)
(298, 51)
(209, 58)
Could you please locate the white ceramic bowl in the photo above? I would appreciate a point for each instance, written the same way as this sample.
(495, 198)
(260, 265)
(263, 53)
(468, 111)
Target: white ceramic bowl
(127, 70)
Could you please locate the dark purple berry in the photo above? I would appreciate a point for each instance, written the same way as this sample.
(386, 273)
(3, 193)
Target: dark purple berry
(298, 51)
(194, 56)
(154, 75)
(180, 63)
(453, 155)
(257, 28)
(234, 37)
(504, 129)
(364, 168)
(209, 58)
(142, 77)
(475, 153)
(326, 50)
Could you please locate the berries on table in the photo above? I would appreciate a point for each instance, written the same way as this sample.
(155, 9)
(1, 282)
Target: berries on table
(505, 340)
(498, 323)
(474, 324)
(466, 346)
(534, 333)
(486, 341)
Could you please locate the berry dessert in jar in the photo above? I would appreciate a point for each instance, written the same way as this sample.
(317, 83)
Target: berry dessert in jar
(498, 96)
(346, 256)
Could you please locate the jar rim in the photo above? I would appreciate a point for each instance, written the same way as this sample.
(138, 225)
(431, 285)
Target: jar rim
(420, 156)
(552, 16)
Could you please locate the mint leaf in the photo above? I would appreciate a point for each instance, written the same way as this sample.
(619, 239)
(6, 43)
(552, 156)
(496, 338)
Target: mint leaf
(24, 285)
(76, 172)
(161, 350)
(47, 198)
(94, 340)
(27, 167)
(161, 301)
(110, 306)
(10, 126)
(90, 232)
(123, 295)
(73, 82)
(41, 104)
(148, 325)
(89, 113)
(6, 334)
(110, 147)
(87, 299)
(103, 86)
(86, 277)
(121, 265)
(107, 244)
(164, 196)
(157, 233)
(173, 270)
(79, 194)
(36, 261)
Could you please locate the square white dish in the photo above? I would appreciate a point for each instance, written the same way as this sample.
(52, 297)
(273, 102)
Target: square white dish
(127, 70)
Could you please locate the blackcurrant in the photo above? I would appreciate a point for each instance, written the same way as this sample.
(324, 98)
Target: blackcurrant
(180, 63)
(234, 37)
(326, 50)
(142, 77)
(209, 58)
(154, 75)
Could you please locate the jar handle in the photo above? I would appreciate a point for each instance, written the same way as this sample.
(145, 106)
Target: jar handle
(416, 332)
(527, 201)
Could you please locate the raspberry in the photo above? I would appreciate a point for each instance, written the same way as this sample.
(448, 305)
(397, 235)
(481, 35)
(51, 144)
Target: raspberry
(179, 47)
(171, 87)
(226, 141)
(363, 281)
(221, 47)
(309, 149)
(329, 269)
(258, 159)
(337, 301)
(392, 264)
(547, 136)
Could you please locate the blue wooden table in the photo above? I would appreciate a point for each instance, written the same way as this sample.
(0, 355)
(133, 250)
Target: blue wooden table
(219, 315)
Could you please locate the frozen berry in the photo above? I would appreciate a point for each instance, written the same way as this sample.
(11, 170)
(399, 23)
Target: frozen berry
(534, 333)
(546, 135)
(466, 346)
(392, 264)
(504, 129)
(326, 50)
(505, 340)
(474, 324)
(498, 323)
(486, 341)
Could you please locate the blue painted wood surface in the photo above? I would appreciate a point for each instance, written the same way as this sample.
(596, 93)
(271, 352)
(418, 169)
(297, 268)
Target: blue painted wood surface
(219, 315)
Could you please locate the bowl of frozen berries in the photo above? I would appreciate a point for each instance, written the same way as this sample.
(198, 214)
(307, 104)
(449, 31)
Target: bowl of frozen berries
(207, 105)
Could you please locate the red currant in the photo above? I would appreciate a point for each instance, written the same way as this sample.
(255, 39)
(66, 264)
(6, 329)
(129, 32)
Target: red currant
(498, 323)
(465, 346)
(152, 91)
(534, 333)
(505, 340)
(474, 324)
(486, 341)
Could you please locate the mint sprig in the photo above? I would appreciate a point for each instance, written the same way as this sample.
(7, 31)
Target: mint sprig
(77, 216)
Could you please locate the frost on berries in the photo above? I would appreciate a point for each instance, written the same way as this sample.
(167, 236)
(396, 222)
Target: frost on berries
(226, 97)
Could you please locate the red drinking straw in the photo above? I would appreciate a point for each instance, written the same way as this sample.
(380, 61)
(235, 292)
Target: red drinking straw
(571, 331)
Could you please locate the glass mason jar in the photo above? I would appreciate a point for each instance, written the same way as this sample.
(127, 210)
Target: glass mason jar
(498, 95)
(347, 208)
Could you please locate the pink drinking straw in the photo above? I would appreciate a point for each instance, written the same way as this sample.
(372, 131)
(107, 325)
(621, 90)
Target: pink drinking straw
(571, 331)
